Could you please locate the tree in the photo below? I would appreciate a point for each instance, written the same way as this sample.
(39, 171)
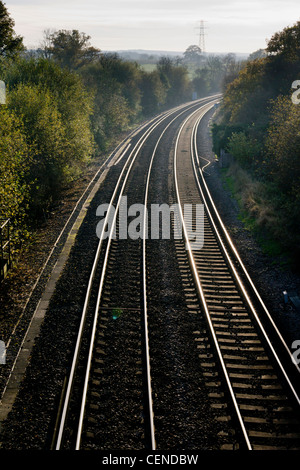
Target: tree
(73, 101)
(46, 44)
(216, 70)
(246, 98)
(259, 124)
(10, 43)
(286, 43)
(175, 80)
(15, 158)
(114, 84)
(193, 54)
(165, 66)
(45, 133)
(246, 150)
(283, 64)
(70, 49)
(153, 93)
(200, 82)
(55, 110)
(126, 74)
(283, 145)
(259, 54)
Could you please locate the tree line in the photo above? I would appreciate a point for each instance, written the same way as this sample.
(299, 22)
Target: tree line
(259, 125)
(67, 102)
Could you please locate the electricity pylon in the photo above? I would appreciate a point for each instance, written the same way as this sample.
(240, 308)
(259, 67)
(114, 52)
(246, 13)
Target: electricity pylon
(202, 36)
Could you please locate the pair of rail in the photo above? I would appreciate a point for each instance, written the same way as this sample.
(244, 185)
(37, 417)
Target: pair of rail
(115, 202)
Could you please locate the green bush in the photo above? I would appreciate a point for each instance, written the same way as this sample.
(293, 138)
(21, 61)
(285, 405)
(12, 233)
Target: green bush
(15, 160)
(243, 148)
(55, 110)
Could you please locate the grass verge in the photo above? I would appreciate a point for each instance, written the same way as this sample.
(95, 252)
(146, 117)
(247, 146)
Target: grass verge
(262, 213)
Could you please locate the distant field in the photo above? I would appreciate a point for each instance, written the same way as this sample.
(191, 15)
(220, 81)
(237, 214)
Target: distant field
(148, 67)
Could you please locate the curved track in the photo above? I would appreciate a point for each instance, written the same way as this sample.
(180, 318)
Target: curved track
(265, 400)
(119, 358)
(118, 262)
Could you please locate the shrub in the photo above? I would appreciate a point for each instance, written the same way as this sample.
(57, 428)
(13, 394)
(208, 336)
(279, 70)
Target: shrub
(15, 159)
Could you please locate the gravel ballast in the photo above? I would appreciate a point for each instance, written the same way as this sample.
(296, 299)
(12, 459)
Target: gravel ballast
(30, 423)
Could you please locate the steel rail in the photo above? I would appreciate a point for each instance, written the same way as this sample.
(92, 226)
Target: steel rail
(236, 275)
(82, 410)
(142, 139)
(86, 302)
(234, 250)
(194, 155)
(199, 286)
(96, 315)
(144, 270)
(55, 245)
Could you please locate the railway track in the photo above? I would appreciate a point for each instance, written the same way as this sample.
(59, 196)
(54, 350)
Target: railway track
(119, 323)
(264, 401)
(244, 384)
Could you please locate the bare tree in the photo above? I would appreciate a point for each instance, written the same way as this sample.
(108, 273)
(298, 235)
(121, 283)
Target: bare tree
(46, 43)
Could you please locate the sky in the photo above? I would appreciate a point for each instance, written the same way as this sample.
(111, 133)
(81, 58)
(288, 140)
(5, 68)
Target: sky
(162, 25)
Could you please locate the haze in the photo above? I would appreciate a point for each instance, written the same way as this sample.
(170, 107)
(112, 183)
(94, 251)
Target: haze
(162, 25)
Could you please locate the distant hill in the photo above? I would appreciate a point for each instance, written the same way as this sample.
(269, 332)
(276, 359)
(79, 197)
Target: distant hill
(138, 52)
(140, 55)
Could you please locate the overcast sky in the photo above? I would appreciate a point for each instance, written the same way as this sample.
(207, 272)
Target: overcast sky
(164, 25)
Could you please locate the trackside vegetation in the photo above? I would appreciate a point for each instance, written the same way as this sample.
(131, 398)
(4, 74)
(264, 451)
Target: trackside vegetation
(259, 124)
(68, 102)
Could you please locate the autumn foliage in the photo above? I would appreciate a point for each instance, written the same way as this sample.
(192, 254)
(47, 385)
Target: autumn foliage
(65, 104)
(260, 126)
